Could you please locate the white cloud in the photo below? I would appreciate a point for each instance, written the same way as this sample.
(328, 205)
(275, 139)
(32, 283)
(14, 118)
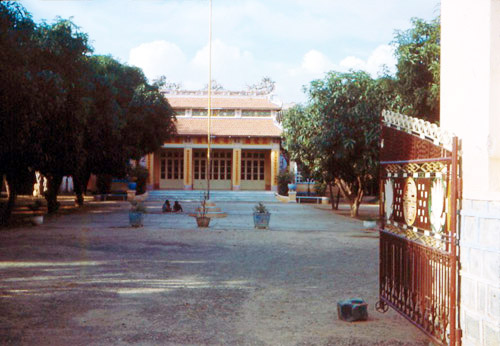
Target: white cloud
(231, 66)
(158, 58)
(316, 62)
(235, 68)
(382, 56)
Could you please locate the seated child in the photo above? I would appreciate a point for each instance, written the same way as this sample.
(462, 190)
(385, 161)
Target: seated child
(177, 206)
(166, 207)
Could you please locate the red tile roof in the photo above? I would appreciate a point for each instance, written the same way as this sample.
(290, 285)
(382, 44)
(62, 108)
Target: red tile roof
(254, 103)
(235, 127)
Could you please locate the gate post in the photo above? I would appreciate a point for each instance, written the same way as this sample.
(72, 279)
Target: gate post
(453, 242)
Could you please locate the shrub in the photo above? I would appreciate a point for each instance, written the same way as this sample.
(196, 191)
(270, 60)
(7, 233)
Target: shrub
(103, 183)
(320, 188)
(260, 208)
(139, 174)
(284, 178)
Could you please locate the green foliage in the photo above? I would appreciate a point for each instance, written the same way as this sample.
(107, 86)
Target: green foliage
(284, 178)
(66, 112)
(140, 175)
(260, 208)
(320, 188)
(418, 69)
(103, 183)
(336, 135)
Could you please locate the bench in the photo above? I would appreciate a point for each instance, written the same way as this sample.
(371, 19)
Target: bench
(316, 199)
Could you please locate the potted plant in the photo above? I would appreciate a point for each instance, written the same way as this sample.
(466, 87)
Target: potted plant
(37, 216)
(202, 220)
(261, 216)
(285, 179)
(136, 212)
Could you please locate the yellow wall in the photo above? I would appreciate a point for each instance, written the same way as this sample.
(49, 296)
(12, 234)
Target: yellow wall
(253, 185)
(214, 184)
(177, 184)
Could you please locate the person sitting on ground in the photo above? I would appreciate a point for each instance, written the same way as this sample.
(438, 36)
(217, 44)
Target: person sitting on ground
(177, 206)
(166, 207)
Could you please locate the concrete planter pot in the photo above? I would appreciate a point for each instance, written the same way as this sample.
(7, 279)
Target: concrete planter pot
(292, 187)
(261, 220)
(135, 218)
(369, 224)
(202, 221)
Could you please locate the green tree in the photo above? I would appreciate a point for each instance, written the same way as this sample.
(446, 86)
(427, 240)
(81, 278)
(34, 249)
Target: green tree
(17, 49)
(418, 66)
(66, 112)
(337, 134)
(61, 104)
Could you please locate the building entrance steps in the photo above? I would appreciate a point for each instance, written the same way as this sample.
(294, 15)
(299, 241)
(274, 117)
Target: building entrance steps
(215, 196)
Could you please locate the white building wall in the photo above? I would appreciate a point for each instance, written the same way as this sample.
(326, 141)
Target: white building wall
(470, 108)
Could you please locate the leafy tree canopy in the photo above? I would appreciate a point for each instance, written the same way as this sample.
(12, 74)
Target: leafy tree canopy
(418, 66)
(67, 112)
(337, 134)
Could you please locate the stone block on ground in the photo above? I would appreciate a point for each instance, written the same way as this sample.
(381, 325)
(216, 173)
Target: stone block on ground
(351, 310)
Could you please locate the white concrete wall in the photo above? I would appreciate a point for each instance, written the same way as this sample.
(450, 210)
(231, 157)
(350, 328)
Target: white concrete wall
(470, 108)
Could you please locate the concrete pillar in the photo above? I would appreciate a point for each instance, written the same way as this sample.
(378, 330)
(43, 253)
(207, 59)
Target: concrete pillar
(188, 168)
(236, 173)
(470, 108)
(275, 157)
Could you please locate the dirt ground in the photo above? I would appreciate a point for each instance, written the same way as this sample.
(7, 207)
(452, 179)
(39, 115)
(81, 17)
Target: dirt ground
(87, 278)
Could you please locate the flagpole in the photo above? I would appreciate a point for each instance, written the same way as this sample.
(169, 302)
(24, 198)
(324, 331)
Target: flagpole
(209, 167)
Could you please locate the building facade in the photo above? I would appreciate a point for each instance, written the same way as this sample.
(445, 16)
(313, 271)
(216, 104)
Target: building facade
(245, 143)
(470, 108)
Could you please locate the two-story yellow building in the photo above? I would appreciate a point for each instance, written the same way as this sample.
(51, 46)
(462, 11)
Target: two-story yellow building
(245, 143)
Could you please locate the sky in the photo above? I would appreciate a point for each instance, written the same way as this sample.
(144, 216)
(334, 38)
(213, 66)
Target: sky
(291, 41)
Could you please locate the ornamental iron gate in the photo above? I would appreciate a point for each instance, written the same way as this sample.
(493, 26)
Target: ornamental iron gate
(419, 185)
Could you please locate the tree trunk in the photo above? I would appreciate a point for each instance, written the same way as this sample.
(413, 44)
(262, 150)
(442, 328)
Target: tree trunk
(7, 211)
(335, 206)
(357, 199)
(352, 194)
(51, 195)
(79, 186)
(78, 192)
(354, 209)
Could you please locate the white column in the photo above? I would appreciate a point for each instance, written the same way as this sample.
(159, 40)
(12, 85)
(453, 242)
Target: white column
(470, 108)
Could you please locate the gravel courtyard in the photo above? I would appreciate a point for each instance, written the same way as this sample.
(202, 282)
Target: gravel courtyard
(87, 278)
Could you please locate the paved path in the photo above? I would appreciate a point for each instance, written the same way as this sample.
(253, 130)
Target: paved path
(88, 279)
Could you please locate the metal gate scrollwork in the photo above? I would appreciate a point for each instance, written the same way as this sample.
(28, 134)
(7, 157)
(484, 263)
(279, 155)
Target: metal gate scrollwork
(419, 185)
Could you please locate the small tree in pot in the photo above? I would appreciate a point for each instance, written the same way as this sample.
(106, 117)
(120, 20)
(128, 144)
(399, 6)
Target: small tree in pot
(136, 212)
(261, 216)
(202, 220)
